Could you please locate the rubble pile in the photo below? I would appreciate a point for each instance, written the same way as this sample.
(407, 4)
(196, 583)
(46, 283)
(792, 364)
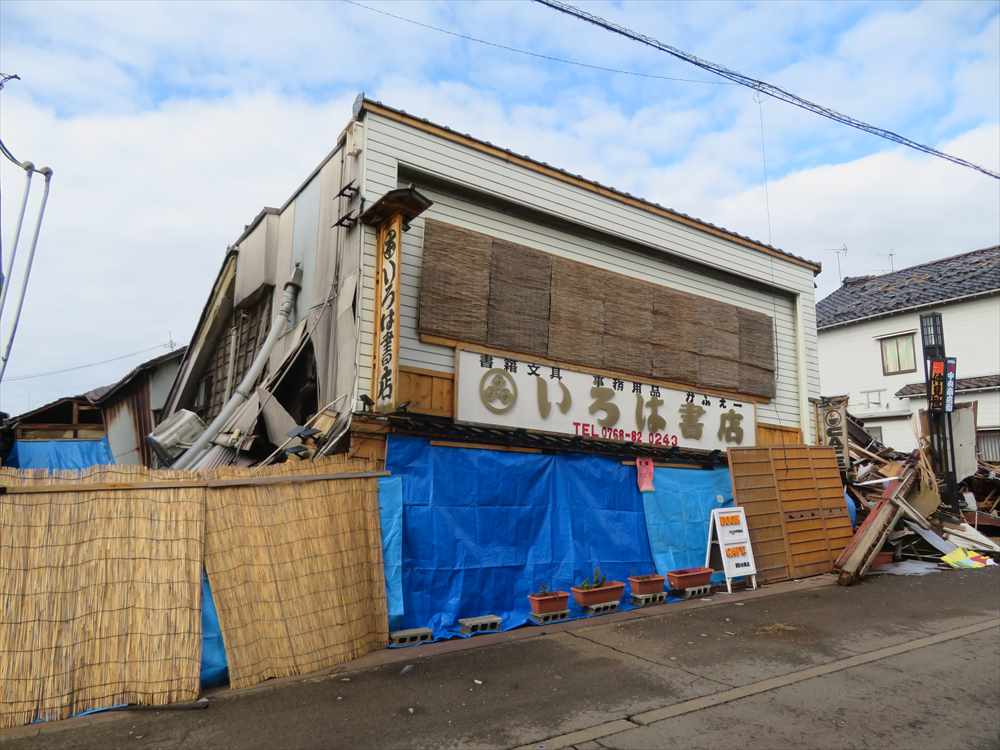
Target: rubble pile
(905, 524)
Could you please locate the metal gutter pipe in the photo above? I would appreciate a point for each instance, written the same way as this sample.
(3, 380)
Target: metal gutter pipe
(246, 386)
(29, 171)
(47, 173)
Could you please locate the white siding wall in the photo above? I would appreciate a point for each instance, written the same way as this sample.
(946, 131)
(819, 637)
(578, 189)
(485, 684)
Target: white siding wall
(389, 144)
(851, 363)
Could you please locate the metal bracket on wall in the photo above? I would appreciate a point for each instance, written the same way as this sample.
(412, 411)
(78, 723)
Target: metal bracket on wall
(348, 220)
(348, 191)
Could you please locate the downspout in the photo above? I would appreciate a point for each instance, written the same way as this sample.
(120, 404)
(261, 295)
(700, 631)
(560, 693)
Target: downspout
(47, 173)
(246, 386)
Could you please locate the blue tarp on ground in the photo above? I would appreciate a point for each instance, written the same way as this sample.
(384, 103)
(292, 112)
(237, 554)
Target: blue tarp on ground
(59, 454)
(678, 512)
(482, 529)
(214, 665)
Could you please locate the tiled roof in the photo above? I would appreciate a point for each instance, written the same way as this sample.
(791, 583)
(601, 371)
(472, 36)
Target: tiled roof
(962, 384)
(861, 297)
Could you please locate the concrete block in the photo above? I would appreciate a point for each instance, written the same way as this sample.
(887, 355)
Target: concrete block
(549, 618)
(602, 609)
(644, 600)
(410, 637)
(481, 624)
(697, 591)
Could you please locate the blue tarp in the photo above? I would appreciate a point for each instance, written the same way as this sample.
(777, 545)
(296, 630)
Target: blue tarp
(482, 529)
(59, 454)
(678, 512)
(214, 666)
(852, 511)
(390, 500)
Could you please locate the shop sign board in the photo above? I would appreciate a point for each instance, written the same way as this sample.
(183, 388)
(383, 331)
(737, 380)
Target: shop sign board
(729, 545)
(942, 378)
(950, 372)
(388, 268)
(492, 389)
(833, 412)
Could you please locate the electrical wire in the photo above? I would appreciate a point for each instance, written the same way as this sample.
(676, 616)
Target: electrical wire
(529, 53)
(763, 87)
(763, 158)
(74, 368)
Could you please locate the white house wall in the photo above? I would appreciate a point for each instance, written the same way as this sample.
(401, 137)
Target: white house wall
(851, 363)
(390, 144)
(851, 356)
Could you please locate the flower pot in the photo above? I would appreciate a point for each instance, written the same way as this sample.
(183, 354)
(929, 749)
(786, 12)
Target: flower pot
(610, 592)
(545, 604)
(689, 578)
(647, 584)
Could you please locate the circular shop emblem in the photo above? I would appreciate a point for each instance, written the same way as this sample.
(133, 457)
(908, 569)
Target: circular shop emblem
(498, 391)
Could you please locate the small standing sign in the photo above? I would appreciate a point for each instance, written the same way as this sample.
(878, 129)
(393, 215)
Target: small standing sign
(729, 546)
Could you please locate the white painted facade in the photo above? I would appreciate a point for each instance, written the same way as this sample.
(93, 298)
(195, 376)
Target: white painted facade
(548, 214)
(851, 363)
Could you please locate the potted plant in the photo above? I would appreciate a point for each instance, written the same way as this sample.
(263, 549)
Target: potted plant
(651, 583)
(600, 590)
(545, 602)
(689, 578)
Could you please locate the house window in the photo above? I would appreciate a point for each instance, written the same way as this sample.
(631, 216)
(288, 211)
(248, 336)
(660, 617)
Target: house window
(897, 355)
(875, 432)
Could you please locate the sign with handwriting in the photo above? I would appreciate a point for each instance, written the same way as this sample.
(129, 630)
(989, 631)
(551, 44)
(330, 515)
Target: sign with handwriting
(492, 389)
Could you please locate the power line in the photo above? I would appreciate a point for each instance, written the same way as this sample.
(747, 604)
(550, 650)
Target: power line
(763, 158)
(540, 56)
(761, 86)
(34, 375)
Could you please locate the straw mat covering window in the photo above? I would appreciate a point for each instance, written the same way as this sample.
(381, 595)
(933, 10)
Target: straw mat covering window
(482, 290)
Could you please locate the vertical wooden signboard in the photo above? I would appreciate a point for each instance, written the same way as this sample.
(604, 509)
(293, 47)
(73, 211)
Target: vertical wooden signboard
(388, 269)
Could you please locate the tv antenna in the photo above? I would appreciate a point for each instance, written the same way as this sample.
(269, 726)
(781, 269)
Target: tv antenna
(839, 251)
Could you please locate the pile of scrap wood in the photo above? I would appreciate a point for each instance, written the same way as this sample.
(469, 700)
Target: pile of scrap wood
(900, 501)
(982, 498)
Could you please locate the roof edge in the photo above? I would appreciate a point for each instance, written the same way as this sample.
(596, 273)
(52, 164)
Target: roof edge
(911, 308)
(364, 104)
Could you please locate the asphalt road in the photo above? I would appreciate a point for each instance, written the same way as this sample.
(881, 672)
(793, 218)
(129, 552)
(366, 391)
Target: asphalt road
(893, 662)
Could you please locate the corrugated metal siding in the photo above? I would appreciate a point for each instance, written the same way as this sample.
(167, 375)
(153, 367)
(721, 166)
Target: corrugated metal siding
(388, 144)
(129, 420)
(988, 445)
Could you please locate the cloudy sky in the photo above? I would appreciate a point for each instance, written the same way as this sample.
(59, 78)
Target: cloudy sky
(169, 125)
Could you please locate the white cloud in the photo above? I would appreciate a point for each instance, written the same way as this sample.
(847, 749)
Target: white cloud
(141, 211)
(918, 207)
(170, 125)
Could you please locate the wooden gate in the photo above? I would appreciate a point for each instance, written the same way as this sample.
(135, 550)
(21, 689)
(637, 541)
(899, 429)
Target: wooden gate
(794, 501)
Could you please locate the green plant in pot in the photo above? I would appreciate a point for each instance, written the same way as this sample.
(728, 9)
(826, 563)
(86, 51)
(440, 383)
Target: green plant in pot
(597, 590)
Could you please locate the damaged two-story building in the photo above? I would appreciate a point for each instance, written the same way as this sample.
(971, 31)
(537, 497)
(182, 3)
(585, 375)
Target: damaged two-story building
(422, 281)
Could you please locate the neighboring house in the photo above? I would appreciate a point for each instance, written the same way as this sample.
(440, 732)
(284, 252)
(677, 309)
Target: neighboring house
(105, 425)
(133, 406)
(870, 346)
(426, 254)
